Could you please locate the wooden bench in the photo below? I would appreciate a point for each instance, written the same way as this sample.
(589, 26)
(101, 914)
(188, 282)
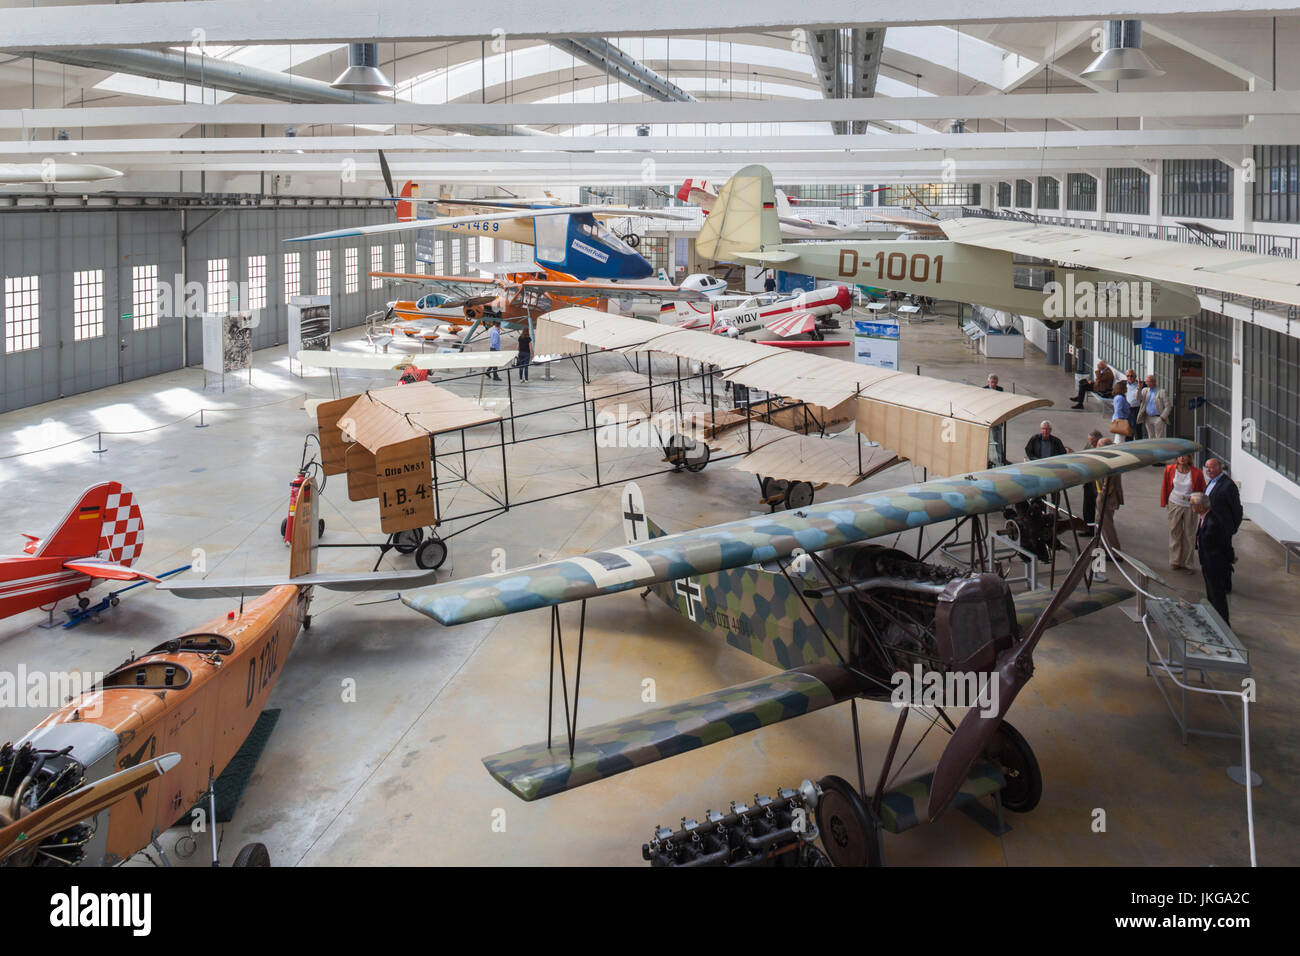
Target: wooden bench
(1276, 512)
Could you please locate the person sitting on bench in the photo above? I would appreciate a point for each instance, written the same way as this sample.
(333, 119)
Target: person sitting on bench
(1102, 382)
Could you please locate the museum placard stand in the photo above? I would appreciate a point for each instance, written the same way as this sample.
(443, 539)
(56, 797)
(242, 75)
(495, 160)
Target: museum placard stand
(227, 345)
(308, 326)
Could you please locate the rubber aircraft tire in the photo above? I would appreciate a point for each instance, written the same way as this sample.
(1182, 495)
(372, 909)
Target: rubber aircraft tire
(431, 554)
(254, 854)
(850, 832)
(1012, 753)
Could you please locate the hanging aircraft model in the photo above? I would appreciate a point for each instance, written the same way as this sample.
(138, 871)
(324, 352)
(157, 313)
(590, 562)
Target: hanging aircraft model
(54, 171)
(566, 238)
(198, 694)
(97, 540)
(806, 313)
(808, 592)
(1053, 273)
(795, 227)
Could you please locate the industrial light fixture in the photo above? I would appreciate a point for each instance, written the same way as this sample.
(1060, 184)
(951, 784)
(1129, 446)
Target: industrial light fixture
(363, 71)
(643, 129)
(63, 136)
(957, 126)
(291, 132)
(1122, 57)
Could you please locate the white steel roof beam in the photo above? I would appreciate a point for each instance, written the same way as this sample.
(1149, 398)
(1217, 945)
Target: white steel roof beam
(233, 22)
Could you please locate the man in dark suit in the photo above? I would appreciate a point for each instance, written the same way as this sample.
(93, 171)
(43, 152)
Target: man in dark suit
(1225, 501)
(1214, 548)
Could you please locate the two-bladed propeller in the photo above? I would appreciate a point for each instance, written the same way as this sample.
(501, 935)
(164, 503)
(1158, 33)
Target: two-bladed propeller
(1012, 671)
(80, 804)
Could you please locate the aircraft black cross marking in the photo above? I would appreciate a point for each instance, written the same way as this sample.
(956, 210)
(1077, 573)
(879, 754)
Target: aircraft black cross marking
(633, 516)
(691, 591)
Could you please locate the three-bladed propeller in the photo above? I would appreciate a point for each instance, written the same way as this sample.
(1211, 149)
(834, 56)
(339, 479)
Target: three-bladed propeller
(80, 804)
(1012, 671)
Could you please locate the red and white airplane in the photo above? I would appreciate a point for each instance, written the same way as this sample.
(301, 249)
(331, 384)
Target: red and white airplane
(799, 314)
(98, 539)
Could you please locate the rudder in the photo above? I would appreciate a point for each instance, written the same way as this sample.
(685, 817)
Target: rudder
(744, 218)
(302, 547)
(105, 523)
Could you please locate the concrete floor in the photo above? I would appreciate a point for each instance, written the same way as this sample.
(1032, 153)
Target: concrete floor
(396, 777)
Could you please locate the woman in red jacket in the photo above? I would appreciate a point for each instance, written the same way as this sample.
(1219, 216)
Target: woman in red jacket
(1182, 480)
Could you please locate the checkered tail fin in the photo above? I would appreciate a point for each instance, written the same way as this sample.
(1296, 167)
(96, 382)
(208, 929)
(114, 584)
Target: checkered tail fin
(105, 522)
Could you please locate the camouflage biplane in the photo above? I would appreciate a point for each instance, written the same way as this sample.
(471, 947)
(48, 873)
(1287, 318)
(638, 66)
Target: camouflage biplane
(809, 592)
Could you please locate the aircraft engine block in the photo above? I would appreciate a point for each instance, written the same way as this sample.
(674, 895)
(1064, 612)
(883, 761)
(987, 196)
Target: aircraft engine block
(773, 831)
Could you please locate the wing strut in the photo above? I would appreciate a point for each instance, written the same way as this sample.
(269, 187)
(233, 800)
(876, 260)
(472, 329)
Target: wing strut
(557, 640)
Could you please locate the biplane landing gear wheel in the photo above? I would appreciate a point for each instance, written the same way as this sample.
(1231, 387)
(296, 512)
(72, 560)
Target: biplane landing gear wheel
(255, 854)
(799, 494)
(850, 832)
(83, 602)
(632, 239)
(431, 554)
(1010, 751)
(774, 488)
(687, 453)
(407, 541)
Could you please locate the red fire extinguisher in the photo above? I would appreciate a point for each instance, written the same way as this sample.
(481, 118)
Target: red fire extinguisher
(295, 489)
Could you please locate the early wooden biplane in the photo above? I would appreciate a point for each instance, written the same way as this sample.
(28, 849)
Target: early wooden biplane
(197, 695)
(810, 592)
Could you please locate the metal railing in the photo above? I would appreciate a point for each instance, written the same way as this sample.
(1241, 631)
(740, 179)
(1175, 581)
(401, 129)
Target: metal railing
(1286, 247)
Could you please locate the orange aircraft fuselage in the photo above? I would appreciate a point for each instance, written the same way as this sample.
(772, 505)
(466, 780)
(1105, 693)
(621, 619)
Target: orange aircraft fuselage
(198, 695)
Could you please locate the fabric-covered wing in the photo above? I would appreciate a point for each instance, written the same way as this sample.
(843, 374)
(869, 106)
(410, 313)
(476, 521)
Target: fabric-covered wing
(540, 770)
(330, 581)
(617, 290)
(765, 537)
(1223, 270)
(796, 323)
(1030, 604)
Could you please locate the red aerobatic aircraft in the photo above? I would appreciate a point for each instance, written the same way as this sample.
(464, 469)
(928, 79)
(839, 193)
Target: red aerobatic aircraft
(99, 538)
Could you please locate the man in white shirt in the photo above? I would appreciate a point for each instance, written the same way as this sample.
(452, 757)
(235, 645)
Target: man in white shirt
(1132, 387)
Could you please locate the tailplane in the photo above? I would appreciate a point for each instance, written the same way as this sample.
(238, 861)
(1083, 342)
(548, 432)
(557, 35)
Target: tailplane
(104, 523)
(744, 218)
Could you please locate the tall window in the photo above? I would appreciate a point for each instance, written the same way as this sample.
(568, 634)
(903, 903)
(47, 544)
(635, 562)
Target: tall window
(292, 275)
(1196, 187)
(1081, 192)
(1024, 193)
(1004, 194)
(87, 304)
(1049, 192)
(219, 286)
(438, 257)
(1128, 190)
(22, 313)
(1271, 370)
(399, 258)
(376, 265)
(1275, 193)
(351, 269)
(144, 297)
(257, 282)
(455, 257)
(323, 262)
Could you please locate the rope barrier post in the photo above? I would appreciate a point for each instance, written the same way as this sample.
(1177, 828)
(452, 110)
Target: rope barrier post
(101, 449)
(202, 423)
